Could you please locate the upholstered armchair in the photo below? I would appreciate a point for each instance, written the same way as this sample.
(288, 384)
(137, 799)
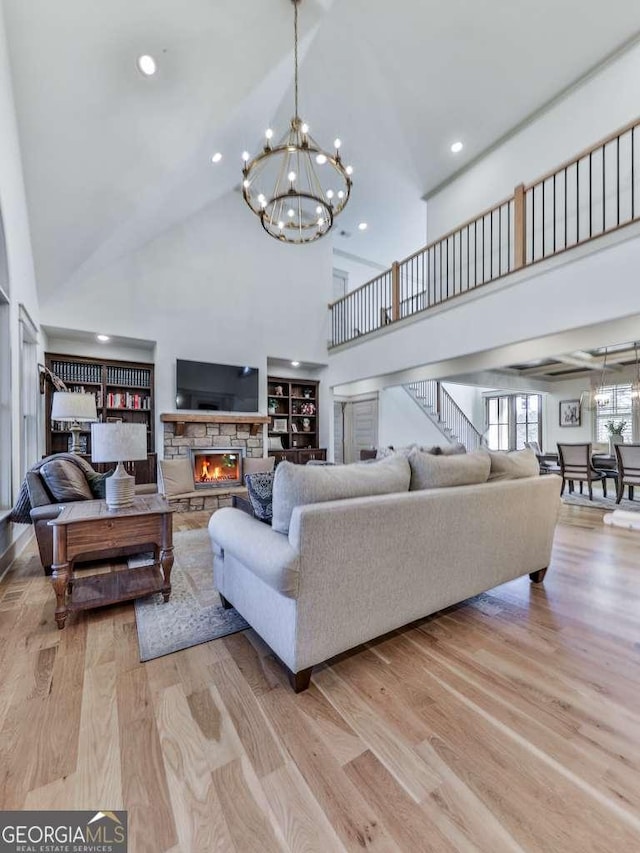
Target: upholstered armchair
(628, 456)
(576, 466)
(49, 487)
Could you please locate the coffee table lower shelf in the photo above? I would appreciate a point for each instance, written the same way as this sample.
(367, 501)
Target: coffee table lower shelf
(113, 587)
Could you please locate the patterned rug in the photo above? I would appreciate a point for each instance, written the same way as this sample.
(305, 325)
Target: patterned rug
(193, 614)
(600, 502)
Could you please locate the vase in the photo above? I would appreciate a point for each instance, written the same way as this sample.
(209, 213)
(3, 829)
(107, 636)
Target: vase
(613, 440)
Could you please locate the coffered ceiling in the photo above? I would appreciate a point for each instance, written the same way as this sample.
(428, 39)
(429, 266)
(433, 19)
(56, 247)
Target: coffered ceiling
(112, 159)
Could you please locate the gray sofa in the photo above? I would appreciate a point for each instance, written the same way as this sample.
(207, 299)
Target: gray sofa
(350, 570)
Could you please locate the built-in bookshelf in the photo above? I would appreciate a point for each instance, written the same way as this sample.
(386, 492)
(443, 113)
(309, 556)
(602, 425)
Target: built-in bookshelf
(124, 391)
(294, 421)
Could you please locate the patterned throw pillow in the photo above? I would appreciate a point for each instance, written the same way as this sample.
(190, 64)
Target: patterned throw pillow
(260, 488)
(97, 483)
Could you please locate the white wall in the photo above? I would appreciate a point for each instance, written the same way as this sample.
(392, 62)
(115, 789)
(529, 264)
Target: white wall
(401, 422)
(552, 432)
(470, 399)
(19, 256)
(603, 103)
(360, 271)
(216, 288)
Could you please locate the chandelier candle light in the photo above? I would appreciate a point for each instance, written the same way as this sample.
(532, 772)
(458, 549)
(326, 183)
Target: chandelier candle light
(295, 187)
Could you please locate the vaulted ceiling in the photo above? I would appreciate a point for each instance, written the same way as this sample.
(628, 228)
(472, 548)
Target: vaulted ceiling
(112, 159)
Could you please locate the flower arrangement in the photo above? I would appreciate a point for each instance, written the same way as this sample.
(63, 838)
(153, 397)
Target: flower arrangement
(615, 427)
(308, 409)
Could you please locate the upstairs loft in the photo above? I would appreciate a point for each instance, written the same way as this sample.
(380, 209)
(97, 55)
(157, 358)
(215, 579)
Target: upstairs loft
(576, 204)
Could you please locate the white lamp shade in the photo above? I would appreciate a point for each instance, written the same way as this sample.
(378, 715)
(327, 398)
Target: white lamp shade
(68, 406)
(118, 442)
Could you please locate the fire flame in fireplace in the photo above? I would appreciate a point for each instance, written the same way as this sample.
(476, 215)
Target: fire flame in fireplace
(210, 473)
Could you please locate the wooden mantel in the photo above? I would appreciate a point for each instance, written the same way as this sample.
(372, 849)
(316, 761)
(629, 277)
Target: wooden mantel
(180, 420)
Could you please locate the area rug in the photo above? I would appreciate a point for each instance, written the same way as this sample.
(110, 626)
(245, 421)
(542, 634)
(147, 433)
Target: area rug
(600, 502)
(193, 614)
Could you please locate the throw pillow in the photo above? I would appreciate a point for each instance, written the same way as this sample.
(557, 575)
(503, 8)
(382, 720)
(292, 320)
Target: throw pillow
(260, 489)
(386, 452)
(513, 465)
(297, 485)
(261, 465)
(429, 471)
(97, 483)
(176, 476)
(20, 514)
(65, 481)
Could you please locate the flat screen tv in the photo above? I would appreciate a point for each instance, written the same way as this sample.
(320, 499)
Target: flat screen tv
(216, 387)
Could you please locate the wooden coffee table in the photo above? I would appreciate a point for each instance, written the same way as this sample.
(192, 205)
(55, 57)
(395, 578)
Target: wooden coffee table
(89, 527)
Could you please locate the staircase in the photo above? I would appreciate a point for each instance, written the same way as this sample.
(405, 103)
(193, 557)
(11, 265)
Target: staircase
(444, 413)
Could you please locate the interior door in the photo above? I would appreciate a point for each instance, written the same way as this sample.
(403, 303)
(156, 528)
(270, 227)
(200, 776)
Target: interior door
(338, 433)
(361, 427)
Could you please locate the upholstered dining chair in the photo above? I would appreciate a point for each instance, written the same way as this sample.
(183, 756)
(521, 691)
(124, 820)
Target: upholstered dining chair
(575, 465)
(628, 456)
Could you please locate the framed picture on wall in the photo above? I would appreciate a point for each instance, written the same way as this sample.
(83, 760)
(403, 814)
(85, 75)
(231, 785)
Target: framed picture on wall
(570, 415)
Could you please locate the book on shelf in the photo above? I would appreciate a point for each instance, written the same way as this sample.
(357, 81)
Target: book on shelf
(127, 400)
(124, 376)
(73, 371)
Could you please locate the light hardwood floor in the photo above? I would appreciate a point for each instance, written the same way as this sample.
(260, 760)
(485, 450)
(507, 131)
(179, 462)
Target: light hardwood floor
(508, 723)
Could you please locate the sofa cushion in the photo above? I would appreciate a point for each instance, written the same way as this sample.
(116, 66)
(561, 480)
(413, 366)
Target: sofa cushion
(260, 489)
(176, 476)
(296, 485)
(429, 471)
(261, 465)
(65, 481)
(436, 450)
(511, 465)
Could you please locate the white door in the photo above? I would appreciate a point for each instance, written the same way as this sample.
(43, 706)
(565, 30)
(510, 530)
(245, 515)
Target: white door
(360, 427)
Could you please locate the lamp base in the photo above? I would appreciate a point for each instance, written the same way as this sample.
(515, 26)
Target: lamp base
(75, 431)
(119, 488)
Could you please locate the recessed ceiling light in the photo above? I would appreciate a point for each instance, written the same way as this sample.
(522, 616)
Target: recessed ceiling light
(457, 147)
(295, 364)
(103, 338)
(147, 65)
(216, 157)
(363, 226)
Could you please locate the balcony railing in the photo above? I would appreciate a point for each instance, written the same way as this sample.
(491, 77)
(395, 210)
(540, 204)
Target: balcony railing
(592, 194)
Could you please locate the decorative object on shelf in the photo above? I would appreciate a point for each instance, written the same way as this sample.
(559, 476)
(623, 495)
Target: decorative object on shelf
(280, 424)
(308, 409)
(307, 393)
(119, 443)
(275, 442)
(306, 425)
(272, 407)
(46, 374)
(75, 409)
(294, 427)
(615, 430)
(113, 420)
(597, 397)
(570, 413)
(279, 391)
(295, 187)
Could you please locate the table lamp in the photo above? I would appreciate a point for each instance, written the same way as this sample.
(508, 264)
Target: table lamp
(74, 408)
(118, 443)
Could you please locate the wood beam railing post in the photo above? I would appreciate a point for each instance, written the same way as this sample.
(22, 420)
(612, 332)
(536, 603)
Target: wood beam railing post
(519, 227)
(395, 291)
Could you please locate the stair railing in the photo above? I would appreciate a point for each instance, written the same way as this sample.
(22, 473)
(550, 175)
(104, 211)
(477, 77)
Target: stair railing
(447, 414)
(592, 194)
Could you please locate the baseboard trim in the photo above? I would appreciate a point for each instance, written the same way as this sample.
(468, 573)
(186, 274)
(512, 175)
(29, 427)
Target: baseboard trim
(14, 550)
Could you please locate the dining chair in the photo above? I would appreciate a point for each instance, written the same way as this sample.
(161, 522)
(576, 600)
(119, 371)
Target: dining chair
(628, 456)
(575, 466)
(548, 462)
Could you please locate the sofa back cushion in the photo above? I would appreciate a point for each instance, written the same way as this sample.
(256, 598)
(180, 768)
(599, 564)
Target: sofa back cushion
(297, 485)
(65, 481)
(511, 465)
(429, 471)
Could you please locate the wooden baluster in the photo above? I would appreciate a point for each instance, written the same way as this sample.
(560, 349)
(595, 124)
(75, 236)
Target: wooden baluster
(519, 227)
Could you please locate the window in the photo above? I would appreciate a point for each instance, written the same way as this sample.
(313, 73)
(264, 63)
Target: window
(618, 409)
(514, 419)
(29, 397)
(5, 405)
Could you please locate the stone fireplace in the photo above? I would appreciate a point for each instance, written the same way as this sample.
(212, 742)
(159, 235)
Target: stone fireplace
(214, 436)
(219, 468)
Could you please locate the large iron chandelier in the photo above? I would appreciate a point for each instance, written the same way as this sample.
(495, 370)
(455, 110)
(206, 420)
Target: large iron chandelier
(295, 187)
(598, 397)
